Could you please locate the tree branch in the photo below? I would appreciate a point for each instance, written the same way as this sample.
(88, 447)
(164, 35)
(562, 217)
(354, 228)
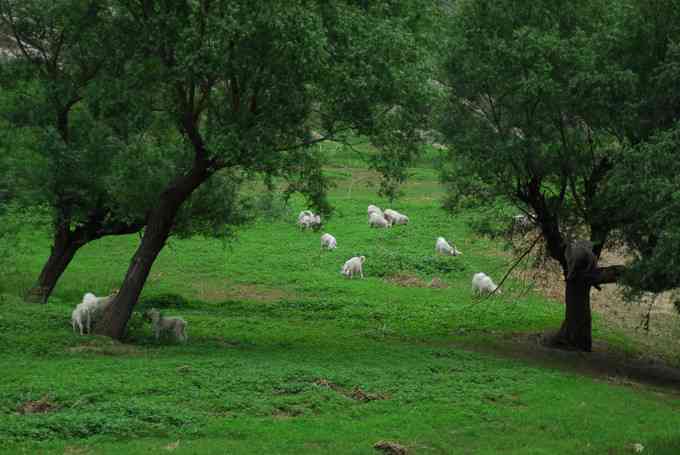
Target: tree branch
(604, 275)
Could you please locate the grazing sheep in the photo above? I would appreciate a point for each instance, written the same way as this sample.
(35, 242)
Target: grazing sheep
(395, 217)
(96, 305)
(354, 266)
(443, 247)
(374, 209)
(307, 219)
(377, 221)
(81, 318)
(174, 325)
(483, 284)
(328, 241)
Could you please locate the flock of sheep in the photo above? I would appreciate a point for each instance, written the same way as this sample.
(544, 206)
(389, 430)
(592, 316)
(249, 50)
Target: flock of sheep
(377, 218)
(92, 307)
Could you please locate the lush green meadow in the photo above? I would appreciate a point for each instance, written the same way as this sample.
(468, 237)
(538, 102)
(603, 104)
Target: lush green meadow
(285, 355)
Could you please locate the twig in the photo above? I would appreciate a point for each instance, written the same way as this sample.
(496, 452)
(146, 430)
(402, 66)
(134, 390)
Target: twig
(521, 258)
(533, 244)
(644, 322)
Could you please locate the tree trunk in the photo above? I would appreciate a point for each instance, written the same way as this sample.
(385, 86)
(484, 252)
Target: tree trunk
(64, 247)
(576, 332)
(159, 224)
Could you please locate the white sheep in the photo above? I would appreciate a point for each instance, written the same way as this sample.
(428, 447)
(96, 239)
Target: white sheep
(377, 221)
(395, 217)
(80, 317)
(305, 213)
(441, 246)
(174, 325)
(354, 266)
(328, 241)
(483, 284)
(374, 209)
(307, 219)
(97, 305)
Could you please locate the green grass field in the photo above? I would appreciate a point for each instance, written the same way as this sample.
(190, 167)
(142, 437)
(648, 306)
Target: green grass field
(286, 356)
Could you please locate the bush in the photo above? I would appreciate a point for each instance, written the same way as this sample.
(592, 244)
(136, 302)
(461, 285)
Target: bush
(389, 262)
(161, 301)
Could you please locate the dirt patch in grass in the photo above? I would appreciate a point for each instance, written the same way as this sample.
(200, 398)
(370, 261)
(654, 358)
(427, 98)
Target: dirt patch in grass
(355, 394)
(228, 291)
(407, 280)
(75, 450)
(390, 448)
(437, 284)
(108, 347)
(41, 406)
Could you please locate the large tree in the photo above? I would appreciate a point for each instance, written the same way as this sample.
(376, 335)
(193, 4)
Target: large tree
(60, 137)
(243, 81)
(80, 132)
(549, 104)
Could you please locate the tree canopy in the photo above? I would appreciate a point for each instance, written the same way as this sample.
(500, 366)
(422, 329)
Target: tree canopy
(548, 102)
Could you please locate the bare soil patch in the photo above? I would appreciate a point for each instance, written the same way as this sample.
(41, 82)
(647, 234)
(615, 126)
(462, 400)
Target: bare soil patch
(390, 448)
(106, 347)
(355, 394)
(219, 292)
(407, 280)
(41, 406)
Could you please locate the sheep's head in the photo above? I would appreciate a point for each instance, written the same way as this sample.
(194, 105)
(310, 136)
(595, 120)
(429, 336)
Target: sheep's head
(151, 315)
(362, 258)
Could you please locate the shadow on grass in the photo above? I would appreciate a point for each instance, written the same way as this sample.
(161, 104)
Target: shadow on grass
(605, 362)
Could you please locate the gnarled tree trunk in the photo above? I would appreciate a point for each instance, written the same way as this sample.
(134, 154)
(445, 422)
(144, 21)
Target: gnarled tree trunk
(64, 248)
(158, 227)
(576, 329)
(65, 245)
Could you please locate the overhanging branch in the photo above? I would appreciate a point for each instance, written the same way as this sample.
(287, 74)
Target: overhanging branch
(604, 275)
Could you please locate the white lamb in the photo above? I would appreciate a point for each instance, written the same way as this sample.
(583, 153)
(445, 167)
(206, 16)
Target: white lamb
(81, 318)
(307, 219)
(305, 213)
(443, 247)
(354, 266)
(483, 284)
(174, 325)
(97, 305)
(328, 241)
(377, 221)
(395, 217)
(374, 209)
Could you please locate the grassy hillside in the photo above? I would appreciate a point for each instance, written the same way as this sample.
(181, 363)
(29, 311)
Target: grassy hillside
(287, 356)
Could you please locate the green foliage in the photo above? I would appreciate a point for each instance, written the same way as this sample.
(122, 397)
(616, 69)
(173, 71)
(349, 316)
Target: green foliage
(161, 301)
(387, 262)
(15, 220)
(551, 109)
(644, 193)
